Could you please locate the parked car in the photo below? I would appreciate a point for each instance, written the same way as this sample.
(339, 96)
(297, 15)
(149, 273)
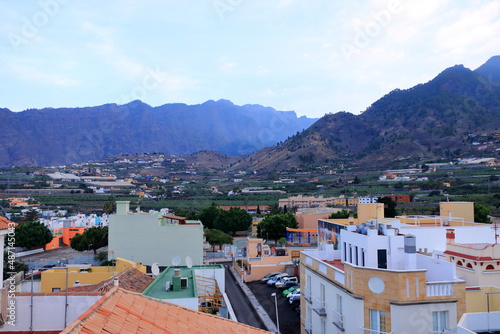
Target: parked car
(268, 276)
(272, 281)
(286, 282)
(294, 296)
(290, 290)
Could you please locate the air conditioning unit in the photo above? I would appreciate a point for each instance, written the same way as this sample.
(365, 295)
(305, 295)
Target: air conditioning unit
(184, 282)
(168, 286)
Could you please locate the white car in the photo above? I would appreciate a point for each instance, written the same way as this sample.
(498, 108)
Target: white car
(272, 281)
(295, 295)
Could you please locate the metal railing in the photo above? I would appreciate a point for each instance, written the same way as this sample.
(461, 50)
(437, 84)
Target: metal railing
(338, 320)
(307, 295)
(319, 306)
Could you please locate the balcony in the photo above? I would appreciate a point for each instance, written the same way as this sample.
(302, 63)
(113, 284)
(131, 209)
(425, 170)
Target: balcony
(319, 307)
(435, 289)
(338, 320)
(307, 295)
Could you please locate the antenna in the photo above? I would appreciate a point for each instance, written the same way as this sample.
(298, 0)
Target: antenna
(176, 261)
(155, 269)
(189, 261)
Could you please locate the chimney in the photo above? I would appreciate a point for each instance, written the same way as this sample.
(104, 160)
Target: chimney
(410, 252)
(372, 230)
(122, 207)
(450, 236)
(115, 282)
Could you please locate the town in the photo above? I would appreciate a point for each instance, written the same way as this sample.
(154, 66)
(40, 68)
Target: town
(339, 251)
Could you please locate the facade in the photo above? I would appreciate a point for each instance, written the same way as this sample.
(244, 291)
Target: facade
(260, 260)
(372, 280)
(154, 237)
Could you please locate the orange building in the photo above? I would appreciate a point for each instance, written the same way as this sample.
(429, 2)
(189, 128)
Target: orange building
(63, 236)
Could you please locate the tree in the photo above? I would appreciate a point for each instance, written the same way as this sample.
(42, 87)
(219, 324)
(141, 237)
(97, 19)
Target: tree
(31, 216)
(389, 206)
(233, 220)
(274, 227)
(93, 238)
(32, 234)
(109, 206)
(356, 180)
(218, 238)
(274, 209)
(342, 214)
(208, 216)
(481, 213)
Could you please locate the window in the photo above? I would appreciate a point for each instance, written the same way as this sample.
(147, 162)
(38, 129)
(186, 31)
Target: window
(339, 305)
(377, 321)
(490, 267)
(56, 289)
(439, 321)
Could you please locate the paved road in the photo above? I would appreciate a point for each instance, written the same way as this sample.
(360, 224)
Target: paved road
(241, 306)
(289, 319)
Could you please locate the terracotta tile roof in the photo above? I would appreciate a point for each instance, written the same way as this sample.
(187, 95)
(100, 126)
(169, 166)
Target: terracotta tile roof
(4, 223)
(470, 257)
(122, 311)
(130, 279)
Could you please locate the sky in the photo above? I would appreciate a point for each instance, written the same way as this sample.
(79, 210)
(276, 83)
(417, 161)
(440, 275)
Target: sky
(310, 56)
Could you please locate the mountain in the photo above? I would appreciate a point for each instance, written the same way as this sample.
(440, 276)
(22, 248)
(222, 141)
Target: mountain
(455, 114)
(68, 135)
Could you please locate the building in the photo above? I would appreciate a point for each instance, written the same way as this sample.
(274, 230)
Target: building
(154, 237)
(62, 278)
(259, 260)
(305, 202)
(122, 311)
(6, 227)
(478, 263)
(372, 280)
(193, 287)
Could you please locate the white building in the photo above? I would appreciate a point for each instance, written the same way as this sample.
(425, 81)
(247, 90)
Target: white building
(376, 282)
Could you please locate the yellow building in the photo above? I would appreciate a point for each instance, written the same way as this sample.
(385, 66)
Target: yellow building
(61, 278)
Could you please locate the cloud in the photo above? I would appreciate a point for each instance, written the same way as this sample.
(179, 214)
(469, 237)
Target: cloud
(34, 75)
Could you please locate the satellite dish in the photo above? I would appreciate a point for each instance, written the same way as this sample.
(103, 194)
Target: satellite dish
(176, 261)
(155, 269)
(189, 261)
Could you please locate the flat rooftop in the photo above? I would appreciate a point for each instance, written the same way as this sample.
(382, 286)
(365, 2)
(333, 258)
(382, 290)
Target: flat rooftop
(158, 290)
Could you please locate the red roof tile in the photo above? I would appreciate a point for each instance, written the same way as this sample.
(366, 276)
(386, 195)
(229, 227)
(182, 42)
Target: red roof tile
(130, 279)
(5, 223)
(115, 314)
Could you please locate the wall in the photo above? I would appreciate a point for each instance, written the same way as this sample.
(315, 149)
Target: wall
(48, 311)
(477, 301)
(56, 278)
(217, 274)
(437, 270)
(434, 238)
(478, 322)
(417, 318)
(370, 211)
(464, 210)
(147, 239)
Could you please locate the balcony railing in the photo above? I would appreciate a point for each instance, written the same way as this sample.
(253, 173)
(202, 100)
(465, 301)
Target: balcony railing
(439, 289)
(319, 306)
(338, 320)
(255, 259)
(307, 295)
(308, 327)
(373, 331)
